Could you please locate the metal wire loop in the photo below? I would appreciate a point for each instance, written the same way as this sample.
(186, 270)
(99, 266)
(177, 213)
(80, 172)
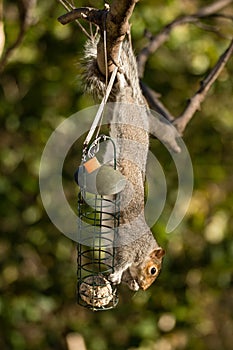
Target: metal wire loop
(98, 224)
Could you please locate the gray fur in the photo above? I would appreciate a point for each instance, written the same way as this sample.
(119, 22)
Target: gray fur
(129, 128)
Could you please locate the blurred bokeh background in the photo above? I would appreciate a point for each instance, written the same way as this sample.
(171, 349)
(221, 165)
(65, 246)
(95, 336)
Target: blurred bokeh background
(191, 304)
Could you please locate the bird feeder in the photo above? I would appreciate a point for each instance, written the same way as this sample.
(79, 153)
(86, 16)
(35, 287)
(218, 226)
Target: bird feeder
(98, 221)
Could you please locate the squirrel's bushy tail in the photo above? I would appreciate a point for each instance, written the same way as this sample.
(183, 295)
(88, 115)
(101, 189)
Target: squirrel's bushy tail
(93, 79)
(95, 82)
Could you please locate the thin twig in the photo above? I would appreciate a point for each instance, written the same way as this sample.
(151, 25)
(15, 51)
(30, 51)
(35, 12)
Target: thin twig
(68, 6)
(209, 28)
(154, 103)
(222, 15)
(194, 103)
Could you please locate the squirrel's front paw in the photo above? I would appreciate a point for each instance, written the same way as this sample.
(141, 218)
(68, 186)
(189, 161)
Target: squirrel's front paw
(133, 285)
(115, 277)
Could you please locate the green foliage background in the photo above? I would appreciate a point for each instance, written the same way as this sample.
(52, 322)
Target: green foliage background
(191, 304)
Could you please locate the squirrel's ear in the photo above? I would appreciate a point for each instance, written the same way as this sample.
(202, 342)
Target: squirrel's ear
(158, 253)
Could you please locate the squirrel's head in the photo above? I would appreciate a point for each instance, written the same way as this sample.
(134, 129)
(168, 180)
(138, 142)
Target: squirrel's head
(149, 270)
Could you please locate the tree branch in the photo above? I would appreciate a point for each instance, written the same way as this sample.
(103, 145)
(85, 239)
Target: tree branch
(24, 8)
(153, 101)
(159, 39)
(213, 8)
(2, 34)
(90, 14)
(165, 132)
(114, 20)
(194, 103)
(70, 7)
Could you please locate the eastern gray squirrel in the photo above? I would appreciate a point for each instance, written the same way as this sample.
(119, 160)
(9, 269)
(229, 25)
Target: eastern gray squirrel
(138, 257)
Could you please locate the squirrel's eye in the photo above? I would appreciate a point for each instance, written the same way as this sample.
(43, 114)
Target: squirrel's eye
(153, 270)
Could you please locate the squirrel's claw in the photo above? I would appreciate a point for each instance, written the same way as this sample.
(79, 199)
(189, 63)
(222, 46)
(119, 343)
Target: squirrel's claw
(115, 277)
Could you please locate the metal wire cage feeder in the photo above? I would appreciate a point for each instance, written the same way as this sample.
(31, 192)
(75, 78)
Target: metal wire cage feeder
(98, 222)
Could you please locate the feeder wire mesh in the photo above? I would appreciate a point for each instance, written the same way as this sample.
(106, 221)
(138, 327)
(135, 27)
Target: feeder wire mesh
(98, 222)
